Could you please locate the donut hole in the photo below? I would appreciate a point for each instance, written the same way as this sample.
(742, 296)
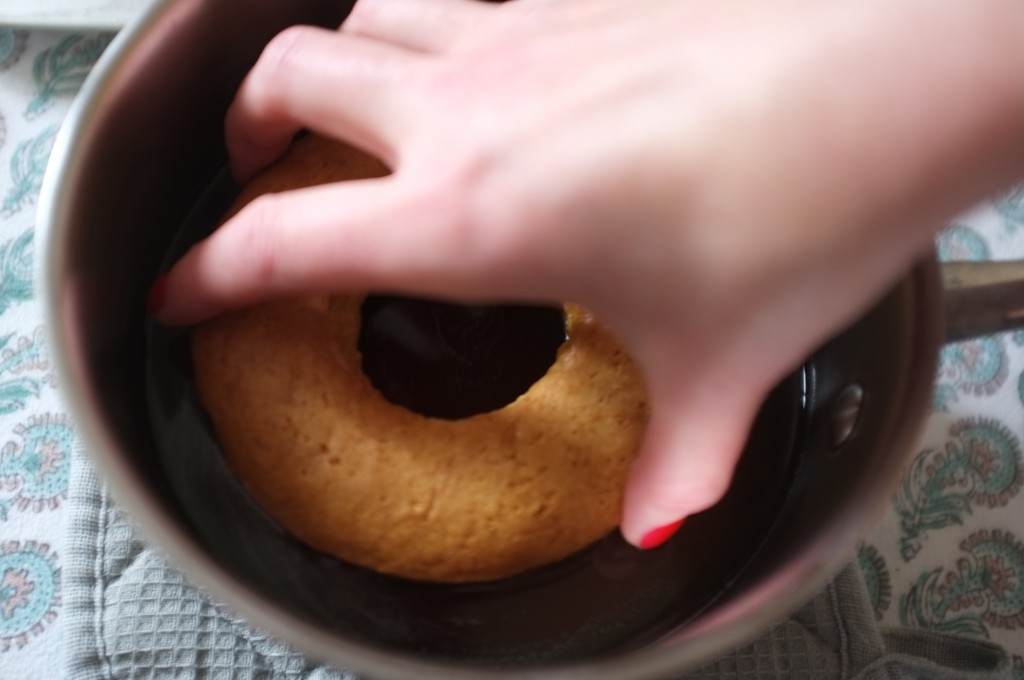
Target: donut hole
(447, 360)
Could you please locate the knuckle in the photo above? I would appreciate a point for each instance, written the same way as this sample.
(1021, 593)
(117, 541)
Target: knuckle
(515, 216)
(478, 217)
(276, 63)
(472, 219)
(448, 212)
(363, 17)
(256, 247)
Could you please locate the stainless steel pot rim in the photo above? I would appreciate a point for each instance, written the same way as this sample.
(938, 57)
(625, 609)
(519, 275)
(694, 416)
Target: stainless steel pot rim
(726, 628)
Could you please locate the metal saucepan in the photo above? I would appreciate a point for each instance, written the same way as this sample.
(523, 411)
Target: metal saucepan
(137, 174)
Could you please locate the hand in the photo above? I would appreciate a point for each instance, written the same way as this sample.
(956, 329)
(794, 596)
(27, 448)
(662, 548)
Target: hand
(725, 183)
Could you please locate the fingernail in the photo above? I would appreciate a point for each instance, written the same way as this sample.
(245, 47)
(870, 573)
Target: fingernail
(654, 538)
(156, 295)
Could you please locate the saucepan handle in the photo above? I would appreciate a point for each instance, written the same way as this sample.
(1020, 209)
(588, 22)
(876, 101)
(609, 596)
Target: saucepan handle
(982, 298)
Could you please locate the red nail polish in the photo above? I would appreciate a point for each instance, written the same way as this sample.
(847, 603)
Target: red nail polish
(155, 298)
(656, 537)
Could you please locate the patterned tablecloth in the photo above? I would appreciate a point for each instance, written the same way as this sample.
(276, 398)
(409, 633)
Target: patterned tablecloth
(948, 555)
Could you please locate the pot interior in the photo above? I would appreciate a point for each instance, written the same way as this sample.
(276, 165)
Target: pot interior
(139, 175)
(602, 600)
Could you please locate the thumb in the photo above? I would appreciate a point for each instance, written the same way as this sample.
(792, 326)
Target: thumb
(694, 439)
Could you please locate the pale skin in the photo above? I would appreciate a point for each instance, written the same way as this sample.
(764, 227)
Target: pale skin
(725, 183)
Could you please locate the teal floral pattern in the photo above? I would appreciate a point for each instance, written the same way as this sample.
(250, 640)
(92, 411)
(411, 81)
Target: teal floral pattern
(984, 589)
(1010, 206)
(34, 470)
(16, 271)
(39, 74)
(12, 45)
(876, 578)
(27, 167)
(24, 370)
(974, 367)
(1018, 339)
(29, 591)
(960, 243)
(60, 70)
(980, 465)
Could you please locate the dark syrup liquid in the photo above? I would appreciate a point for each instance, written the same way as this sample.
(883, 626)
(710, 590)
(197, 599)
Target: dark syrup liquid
(448, 360)
(604, 599)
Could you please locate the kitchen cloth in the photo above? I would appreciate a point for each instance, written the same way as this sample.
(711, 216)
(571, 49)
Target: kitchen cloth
(132, 616)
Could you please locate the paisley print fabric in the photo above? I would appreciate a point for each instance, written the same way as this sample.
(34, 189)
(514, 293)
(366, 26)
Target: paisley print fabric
(40, 72)
(949, 550)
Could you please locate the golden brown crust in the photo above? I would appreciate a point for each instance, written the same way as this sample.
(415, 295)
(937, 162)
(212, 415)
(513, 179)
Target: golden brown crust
(373, 483)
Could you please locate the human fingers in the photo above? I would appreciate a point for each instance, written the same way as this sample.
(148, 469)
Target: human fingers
(343, 86)
(428, 25)
(359, 234)
(694, 440)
